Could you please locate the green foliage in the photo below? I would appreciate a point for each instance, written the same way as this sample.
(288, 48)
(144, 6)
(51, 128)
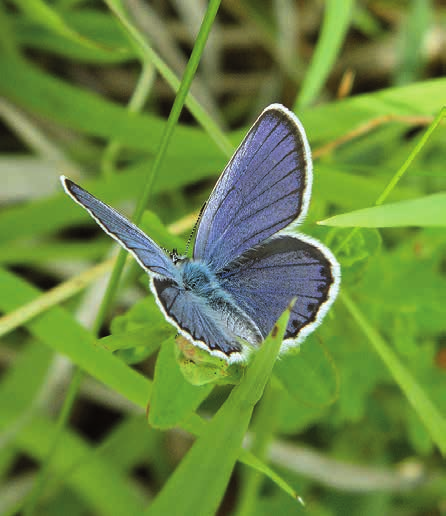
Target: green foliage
(367, 389)
(422, 212)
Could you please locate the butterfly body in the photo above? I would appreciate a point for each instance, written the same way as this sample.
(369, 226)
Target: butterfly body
(248, 261)
(198, 278)
(199, 286)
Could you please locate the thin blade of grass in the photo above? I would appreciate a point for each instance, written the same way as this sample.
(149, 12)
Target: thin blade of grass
(212, 457)
(426, 211)
(433, 420)
(334, 29)
(42, 13)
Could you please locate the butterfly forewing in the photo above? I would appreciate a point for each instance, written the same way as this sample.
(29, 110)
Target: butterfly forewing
(264, 188)
(149, 255)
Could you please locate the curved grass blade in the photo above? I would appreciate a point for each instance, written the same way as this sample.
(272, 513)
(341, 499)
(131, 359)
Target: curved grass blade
(173, 398)
(57, 329)
(433, 420)
(42, 13)
(423, 212)
(334, 28)
(204, 473)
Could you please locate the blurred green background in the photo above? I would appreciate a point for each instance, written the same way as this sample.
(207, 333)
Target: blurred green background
(356, 422)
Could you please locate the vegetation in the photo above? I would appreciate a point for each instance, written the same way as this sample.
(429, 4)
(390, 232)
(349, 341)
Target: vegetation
(95, 415)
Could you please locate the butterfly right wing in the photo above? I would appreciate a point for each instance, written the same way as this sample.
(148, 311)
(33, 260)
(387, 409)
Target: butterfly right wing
(146, 252)
(265, 187)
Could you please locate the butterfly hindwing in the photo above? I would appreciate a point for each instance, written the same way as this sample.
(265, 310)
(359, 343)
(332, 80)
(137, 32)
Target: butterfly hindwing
(266, 278)
(194, 318)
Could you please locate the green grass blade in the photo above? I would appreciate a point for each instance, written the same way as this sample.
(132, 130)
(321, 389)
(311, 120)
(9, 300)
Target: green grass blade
(42, 13)
(173, 398)
(423, 212)
(204, 473)
(61, 332)
(433, 420)
(334, 29)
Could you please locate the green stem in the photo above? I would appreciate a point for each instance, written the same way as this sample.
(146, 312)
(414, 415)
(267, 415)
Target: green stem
(401, 171)
(31, 502)
(423, 406)
(263, 427)
(137, 101)
(142, 202)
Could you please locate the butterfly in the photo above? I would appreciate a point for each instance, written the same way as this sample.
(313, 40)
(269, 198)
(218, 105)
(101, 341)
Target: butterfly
(248, 261)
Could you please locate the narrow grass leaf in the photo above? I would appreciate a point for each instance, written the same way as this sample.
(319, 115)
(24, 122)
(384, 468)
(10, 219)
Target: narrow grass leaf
(425, 211)
(333, 31)
(173, 398)
(59, 330)
(433, 420)
(204, 473)
(41, 12)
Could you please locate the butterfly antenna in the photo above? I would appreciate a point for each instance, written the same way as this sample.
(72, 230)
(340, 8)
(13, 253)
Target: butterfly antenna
(194, 229)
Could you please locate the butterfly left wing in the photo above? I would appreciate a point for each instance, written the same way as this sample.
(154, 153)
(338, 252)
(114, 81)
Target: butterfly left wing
(212, 325)
(147, 253)
(265, 187)
(266, 278)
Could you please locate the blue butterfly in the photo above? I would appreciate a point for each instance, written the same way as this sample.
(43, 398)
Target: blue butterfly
(247, 265)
